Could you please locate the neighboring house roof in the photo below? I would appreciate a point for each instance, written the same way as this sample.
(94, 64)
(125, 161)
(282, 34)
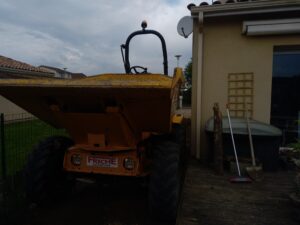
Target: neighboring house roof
(78, 75)
(63, 72)
(11, 66)
(60, 71)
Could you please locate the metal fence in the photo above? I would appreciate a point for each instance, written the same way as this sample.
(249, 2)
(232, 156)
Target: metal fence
(18, 135)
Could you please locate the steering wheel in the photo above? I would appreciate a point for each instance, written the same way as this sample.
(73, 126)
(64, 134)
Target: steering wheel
(136, 68)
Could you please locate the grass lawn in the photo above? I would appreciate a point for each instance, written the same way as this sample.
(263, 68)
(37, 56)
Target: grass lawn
(20, 137)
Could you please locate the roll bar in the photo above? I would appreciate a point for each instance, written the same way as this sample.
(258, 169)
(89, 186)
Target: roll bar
(140, 32)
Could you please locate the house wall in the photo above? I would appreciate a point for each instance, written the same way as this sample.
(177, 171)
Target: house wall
(227, 50)
(7, 107)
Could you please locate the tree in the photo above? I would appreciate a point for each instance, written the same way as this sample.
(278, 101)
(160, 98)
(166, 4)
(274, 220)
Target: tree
(188, 76)
(188, 72)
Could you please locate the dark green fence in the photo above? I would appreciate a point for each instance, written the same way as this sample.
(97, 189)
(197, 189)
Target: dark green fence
(18, 134)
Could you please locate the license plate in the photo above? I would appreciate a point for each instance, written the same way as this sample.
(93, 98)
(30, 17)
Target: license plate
(97, 161)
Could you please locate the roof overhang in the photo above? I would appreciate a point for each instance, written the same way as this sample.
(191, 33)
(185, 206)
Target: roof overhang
(246, 8)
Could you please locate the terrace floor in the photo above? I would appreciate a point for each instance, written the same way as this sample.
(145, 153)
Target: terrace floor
(210, 199)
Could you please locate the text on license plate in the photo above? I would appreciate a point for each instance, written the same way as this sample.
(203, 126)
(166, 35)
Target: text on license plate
(97, 161)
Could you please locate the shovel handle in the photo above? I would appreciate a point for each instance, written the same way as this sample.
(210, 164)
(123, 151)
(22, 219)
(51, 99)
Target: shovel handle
(250, 138)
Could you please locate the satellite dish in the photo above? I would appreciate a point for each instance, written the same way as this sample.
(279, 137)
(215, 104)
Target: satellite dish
(185, 26)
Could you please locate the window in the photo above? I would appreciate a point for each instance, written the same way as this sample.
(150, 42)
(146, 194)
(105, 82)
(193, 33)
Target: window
(285, 107)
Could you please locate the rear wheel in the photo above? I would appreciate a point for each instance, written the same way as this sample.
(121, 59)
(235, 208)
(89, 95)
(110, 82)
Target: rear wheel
(179, 136)
(164, 181)
(44, 175)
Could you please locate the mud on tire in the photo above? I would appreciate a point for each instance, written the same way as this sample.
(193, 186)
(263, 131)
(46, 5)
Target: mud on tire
(164, 181)
(44, 175)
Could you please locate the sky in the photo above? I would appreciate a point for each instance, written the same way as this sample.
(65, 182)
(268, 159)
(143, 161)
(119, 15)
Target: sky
(85, 36)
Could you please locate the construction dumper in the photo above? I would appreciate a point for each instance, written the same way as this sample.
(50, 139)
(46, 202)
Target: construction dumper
(118, 125)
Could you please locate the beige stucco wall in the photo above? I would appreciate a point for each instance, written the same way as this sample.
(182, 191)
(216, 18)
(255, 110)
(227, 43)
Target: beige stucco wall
(7, 107)
(226, 51)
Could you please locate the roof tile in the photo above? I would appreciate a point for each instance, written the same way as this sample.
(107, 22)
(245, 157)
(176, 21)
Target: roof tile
(14, 64)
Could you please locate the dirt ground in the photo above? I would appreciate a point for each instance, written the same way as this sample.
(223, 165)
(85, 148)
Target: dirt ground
(210, 199)
(207, 199)
(91, 204)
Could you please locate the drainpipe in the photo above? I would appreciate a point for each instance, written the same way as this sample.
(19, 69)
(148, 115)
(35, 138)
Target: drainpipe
(197, 83)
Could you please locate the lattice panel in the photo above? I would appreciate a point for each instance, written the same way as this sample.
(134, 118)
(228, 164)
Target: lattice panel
(240, 94)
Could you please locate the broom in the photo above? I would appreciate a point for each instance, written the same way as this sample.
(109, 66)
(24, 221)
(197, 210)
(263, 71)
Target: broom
(239, 178)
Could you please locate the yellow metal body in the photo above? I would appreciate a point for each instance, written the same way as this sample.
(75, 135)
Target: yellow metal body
(107, 116)
(177, 118)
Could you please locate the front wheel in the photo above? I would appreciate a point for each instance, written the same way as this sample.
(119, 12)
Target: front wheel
(44, 175)
(165, 181)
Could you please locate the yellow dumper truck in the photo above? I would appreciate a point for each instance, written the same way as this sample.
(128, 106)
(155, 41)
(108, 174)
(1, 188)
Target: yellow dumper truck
(118, 125)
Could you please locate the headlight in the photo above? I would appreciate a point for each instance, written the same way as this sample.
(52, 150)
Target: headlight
(76, 159)
(129, 163)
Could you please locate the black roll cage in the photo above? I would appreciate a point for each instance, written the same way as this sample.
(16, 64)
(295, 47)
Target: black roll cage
(140, 32)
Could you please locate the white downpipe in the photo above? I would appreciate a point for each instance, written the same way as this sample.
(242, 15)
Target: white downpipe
(197, 83)
(180, 102)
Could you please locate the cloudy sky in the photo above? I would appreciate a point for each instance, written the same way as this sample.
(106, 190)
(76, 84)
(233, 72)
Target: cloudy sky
(85, 36)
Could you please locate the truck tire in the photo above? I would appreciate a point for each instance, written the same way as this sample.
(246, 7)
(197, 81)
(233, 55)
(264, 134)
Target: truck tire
(44, 175)
(179, 136)
(164, 181)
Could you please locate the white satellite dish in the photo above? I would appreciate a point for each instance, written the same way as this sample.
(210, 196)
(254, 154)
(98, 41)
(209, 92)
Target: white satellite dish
(185, 26)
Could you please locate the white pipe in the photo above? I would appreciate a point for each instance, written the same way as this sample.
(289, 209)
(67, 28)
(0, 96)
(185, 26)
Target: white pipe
(180, 102)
